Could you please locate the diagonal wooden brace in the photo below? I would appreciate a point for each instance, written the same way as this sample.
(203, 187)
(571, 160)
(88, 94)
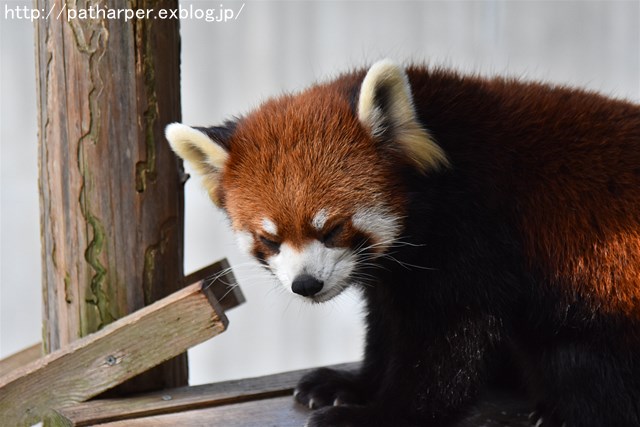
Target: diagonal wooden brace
(122, 350)
(222, 282)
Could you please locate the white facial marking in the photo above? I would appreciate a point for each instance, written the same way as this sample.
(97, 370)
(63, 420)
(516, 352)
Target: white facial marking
(333, 266)
(245, 241)
(269, 226)
(320, 219)
(378, 221)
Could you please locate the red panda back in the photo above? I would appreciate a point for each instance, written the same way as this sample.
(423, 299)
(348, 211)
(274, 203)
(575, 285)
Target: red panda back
(564, 162)
(582, 206)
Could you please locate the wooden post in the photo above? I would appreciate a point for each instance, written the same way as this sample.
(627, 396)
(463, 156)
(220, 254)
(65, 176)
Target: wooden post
(111, 196)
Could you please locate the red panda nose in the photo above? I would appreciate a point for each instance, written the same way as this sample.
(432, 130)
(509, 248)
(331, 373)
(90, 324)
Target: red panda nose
(306, 285)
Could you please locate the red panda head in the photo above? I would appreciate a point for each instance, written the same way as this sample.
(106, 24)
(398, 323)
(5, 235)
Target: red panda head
(310, 181)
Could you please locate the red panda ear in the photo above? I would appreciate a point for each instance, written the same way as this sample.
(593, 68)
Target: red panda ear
(385, 108)
(220, 134)
(206, 156)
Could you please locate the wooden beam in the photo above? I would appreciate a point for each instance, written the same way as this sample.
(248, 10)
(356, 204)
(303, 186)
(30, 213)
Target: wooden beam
(278, 411)
(284, 412)
(254, 402)
(218, 276)
(183, 399)
(111, 193)
(223, 283)
(19, 359)
(121, 350)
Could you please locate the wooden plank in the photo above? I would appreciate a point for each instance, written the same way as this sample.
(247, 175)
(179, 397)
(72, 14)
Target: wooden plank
(111, 190)
(19, 359)
(496, 410)
(218, 276)
(223, 404)
(280, 411)
(183, 398)
(121, 350)
(222, 281)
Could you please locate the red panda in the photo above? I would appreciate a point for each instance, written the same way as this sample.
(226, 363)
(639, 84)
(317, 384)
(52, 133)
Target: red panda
(481, 217)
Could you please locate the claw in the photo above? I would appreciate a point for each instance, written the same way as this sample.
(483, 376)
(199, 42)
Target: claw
(312, 404)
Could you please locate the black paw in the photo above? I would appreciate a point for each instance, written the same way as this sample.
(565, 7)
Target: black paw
(342, 416)
(541, 418)
(327, 387)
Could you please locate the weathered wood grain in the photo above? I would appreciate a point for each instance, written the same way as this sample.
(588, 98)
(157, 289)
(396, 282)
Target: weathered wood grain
(283, 412)
(217, 276)
(119, 351)
(273, 412)
(183, 398)
(19, 359)
(264, 401)
(111, 194)
(223, 283)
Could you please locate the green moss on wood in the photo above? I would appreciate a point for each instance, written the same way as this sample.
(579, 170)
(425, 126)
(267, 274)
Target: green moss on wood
(100, 298)
(154, 259)
(91, 39)
(67, 288)
(147, 169)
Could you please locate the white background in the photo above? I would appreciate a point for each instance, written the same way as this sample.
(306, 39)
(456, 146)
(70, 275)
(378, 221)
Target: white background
(274, 47)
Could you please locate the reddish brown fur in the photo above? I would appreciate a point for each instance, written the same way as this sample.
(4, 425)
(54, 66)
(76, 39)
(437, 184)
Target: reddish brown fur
(331, 156)
(577, 204)
(582, 218)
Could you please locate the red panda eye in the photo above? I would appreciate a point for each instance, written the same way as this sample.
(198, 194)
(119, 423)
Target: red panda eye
(330, 236)
(271, 244)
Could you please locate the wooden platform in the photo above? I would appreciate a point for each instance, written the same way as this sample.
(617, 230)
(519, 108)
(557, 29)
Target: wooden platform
(256, 402)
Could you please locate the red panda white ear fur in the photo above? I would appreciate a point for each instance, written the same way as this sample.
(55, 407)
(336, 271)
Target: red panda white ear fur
(204, 155)
(385, 108)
